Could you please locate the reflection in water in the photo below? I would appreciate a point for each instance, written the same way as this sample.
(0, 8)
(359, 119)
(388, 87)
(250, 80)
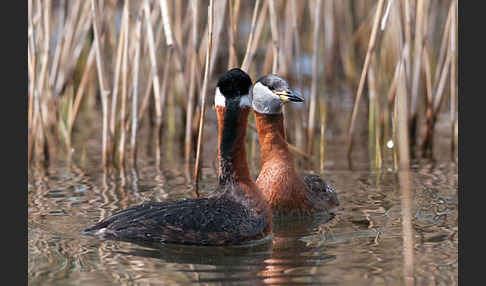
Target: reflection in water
(283, 259)
(361, 245)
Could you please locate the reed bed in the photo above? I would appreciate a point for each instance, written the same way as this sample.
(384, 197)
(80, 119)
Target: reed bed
(139, 59)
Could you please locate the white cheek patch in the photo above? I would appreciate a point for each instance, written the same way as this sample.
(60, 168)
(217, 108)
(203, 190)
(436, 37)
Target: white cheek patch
(219, 99)
(262, 90)
(265, 101)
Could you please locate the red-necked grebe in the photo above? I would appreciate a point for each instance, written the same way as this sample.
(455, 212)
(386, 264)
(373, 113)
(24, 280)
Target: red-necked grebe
(285, 190)
(238, 213)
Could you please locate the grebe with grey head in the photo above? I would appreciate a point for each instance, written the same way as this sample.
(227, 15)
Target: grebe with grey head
(286, 191)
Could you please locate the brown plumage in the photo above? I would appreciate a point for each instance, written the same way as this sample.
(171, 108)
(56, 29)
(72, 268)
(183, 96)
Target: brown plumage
(286, 191)
(282, 187)
(237, 213)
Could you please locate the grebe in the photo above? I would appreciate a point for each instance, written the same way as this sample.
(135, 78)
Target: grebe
(238, 213)
(285, 190)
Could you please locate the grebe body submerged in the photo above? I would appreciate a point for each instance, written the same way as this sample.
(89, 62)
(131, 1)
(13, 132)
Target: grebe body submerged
(285, 190)
(236, 214)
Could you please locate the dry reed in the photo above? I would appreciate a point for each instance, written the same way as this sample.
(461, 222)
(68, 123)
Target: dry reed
(133, 139)
(192, 87)
(371, 47)
(103, 91)
(315, 66)
(203, 95)
(259, 36)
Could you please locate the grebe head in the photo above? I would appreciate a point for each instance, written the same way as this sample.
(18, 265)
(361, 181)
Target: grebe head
(270, 92)
(233, 88)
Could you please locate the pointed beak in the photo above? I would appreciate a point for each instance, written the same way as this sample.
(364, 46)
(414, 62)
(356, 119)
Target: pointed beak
(289, 95)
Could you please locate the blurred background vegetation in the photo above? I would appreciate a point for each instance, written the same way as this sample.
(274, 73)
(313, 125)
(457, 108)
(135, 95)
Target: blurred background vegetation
(122, 77)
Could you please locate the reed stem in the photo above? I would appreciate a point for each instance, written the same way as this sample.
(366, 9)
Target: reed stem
(371, 48)
(247, 59)
(203, 96)
(315, 76)
(136, 68)
(275, 37)
(192, 87)
(155, 78)
(103, 91)
(121, 150)
(118, 67)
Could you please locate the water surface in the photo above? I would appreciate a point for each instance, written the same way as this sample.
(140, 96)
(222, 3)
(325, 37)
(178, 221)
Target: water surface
(360, 245)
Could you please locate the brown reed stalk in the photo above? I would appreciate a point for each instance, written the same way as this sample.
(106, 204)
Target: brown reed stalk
(393, 84)
(315, 76)
(156, 83)
(76, 35)
(275, 37)
(118, 70)
(32, 68)
(373, 117)
(166, 22)
(408, 37)
(218, 22)
(428, 82)
(404, 178)
(169, 39)
(453, 77)
(247, 59)
(299, 130)
(438, 99)
(296, 37)
(322, 147)
(259, 29)
(29, 115)
(286, 42)
(136, 67)
(429, 113)
(443, 47)
(171, 45)
(59, 42)
(234, 10)
(165, 77)
(203, 96)
(45, 51)
(43, 94)
(401, 84)
(402, 121)
(434, 108)
(103, 91)
(344, 37)
(384, 19)
(418, 48)
(371, 48)
(328, 21)
(192, 87)
(82, 84)
(267, 62)
(68, 47)
(121, 149)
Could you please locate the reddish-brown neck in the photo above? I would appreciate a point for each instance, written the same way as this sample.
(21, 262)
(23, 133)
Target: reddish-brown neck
(271, 135)
(282, 187)
(233, 165)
